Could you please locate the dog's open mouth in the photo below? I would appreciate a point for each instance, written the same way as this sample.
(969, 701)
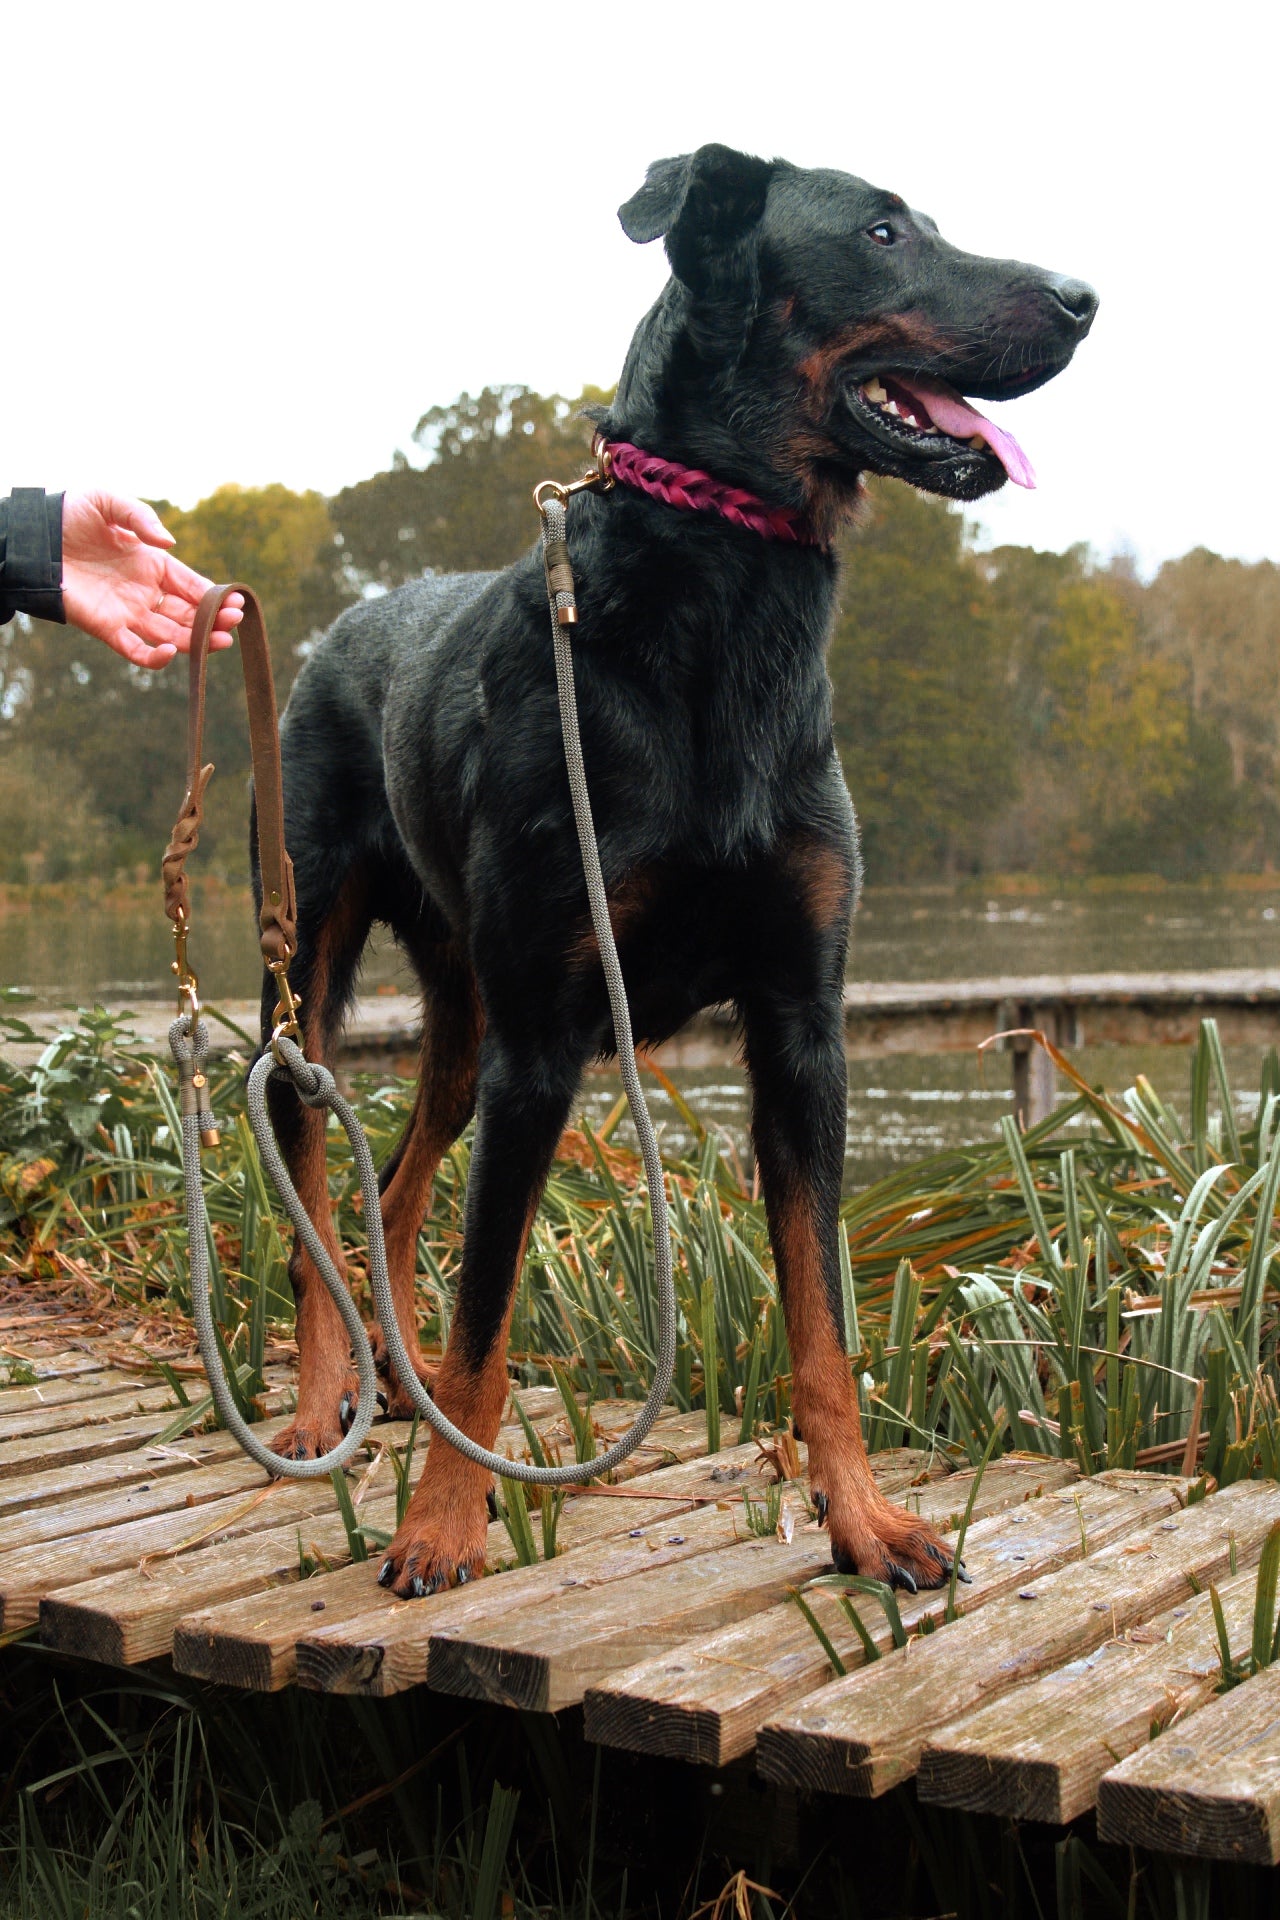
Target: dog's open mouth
(934, 419)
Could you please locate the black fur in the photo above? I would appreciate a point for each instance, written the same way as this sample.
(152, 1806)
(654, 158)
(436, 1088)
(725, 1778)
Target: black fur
(424, 771)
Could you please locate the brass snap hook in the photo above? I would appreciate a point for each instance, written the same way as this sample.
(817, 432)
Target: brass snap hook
(287, 1008)
(188, 984)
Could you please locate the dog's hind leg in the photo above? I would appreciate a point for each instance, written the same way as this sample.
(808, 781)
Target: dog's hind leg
(795, 1055)
(451, 1027)
(322, 974)
(524, 1101)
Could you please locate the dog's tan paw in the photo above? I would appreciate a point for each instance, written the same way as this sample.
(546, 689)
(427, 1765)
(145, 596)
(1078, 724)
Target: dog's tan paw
(883, 1542)
(432, 1552)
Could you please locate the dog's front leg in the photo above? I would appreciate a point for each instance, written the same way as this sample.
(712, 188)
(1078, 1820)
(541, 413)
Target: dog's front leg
(795, 1054)
(523, 1104)
(326, 1374)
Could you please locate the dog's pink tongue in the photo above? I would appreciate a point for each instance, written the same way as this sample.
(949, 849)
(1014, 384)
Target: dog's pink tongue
(950, 411)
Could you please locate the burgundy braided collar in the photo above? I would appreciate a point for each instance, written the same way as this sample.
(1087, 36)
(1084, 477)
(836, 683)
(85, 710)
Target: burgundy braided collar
(696, 492)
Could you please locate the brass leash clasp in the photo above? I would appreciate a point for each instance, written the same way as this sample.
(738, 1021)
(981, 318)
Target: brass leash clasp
(600, 477)
(287, 1008)
(188, 984)
(551, 497)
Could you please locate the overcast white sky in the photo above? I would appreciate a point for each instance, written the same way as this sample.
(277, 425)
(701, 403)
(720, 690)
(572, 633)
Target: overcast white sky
(255, 242)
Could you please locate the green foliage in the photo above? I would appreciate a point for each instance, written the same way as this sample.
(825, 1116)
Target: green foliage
(75, 1102)
(513, 1511)
(922, 713)
(470, 505)
(1017, 709)
(1264, 1647)
(357, 1544)
(762, 1516)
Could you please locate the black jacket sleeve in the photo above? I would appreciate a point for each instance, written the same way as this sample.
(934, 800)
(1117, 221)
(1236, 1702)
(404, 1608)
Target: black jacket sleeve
(31, 554)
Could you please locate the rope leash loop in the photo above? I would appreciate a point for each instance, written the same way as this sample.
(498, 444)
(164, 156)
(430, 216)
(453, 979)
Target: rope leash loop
(316, 1087)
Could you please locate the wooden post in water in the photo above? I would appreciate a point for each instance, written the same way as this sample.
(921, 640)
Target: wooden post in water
(1035, 1079)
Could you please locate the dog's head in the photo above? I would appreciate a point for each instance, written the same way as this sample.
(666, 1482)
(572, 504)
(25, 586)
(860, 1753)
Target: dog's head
(816, 328)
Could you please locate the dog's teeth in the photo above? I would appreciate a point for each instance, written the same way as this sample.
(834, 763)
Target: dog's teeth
(977, 442)
(894, 408)
(875, 392)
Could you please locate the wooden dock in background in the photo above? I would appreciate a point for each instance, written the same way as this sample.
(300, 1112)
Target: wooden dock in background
(883, 1017)
(1081, 1669)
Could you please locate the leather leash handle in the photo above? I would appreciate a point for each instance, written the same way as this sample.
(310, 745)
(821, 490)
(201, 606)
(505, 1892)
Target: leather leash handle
(277, 920)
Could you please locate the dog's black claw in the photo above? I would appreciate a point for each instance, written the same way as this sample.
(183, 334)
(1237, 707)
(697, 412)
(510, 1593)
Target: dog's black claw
(820, 1508)
(299, 1453)
(386, 1573)
(418, 1587)
(383, 1401)
(899, 1577)
(464, 1574)
(346, 1414)
(967, 1578)
(491, 1501)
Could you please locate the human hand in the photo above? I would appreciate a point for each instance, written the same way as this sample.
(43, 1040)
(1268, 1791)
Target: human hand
(119, 585)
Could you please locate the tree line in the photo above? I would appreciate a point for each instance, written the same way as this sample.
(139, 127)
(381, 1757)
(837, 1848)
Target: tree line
(996, 711)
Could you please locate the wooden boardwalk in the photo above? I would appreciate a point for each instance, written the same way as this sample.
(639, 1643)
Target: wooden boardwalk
(1081, 1672)
(881, 1016)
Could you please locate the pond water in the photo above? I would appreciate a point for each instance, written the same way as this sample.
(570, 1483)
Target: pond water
(901, 1107)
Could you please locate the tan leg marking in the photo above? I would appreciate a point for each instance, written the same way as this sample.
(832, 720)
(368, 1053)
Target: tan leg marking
(869, 1535)
(442, 1537)
(441, 1108)
(325, 1370)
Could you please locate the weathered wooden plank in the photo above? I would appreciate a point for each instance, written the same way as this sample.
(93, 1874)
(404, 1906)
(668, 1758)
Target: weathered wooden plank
(28, 1573)
(95, 1439)
(1209, 1787)
(546, 1660)
(864, 1734)
(62, 1365)
(43, 1508)
(68, 1392)
(705, 1701)
(251, 1643)
(124, 1615)
(397, 1647)
(58, 1456)
(185, 1486)
(145, 1466)
(129, 1616)
(87, 1416)
(385, 1650)
(43, 1453)
(1039, 1752)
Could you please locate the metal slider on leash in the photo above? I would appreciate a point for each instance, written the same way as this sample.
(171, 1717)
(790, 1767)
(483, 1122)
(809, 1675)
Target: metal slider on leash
(550, 497)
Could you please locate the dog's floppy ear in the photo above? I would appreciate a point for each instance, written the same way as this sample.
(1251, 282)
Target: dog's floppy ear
(704, 203)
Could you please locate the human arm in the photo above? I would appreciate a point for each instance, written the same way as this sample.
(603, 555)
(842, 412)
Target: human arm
(117, 582)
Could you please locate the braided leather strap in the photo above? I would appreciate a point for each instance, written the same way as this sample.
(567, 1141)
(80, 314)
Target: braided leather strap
(696, 492)
(278, 918)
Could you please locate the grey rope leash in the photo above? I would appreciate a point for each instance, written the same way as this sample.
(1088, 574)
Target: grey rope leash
(315, 1086)
(189, 1051)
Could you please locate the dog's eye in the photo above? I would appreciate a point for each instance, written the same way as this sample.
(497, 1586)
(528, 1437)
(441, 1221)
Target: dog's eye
(882, 233)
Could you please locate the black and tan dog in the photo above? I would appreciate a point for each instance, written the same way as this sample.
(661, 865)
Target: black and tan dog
(814, 329)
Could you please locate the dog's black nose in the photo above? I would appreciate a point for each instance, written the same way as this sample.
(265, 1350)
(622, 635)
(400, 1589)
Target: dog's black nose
(1076, 298)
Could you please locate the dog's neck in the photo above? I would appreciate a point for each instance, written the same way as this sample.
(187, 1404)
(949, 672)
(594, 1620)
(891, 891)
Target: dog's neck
(690, 490)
